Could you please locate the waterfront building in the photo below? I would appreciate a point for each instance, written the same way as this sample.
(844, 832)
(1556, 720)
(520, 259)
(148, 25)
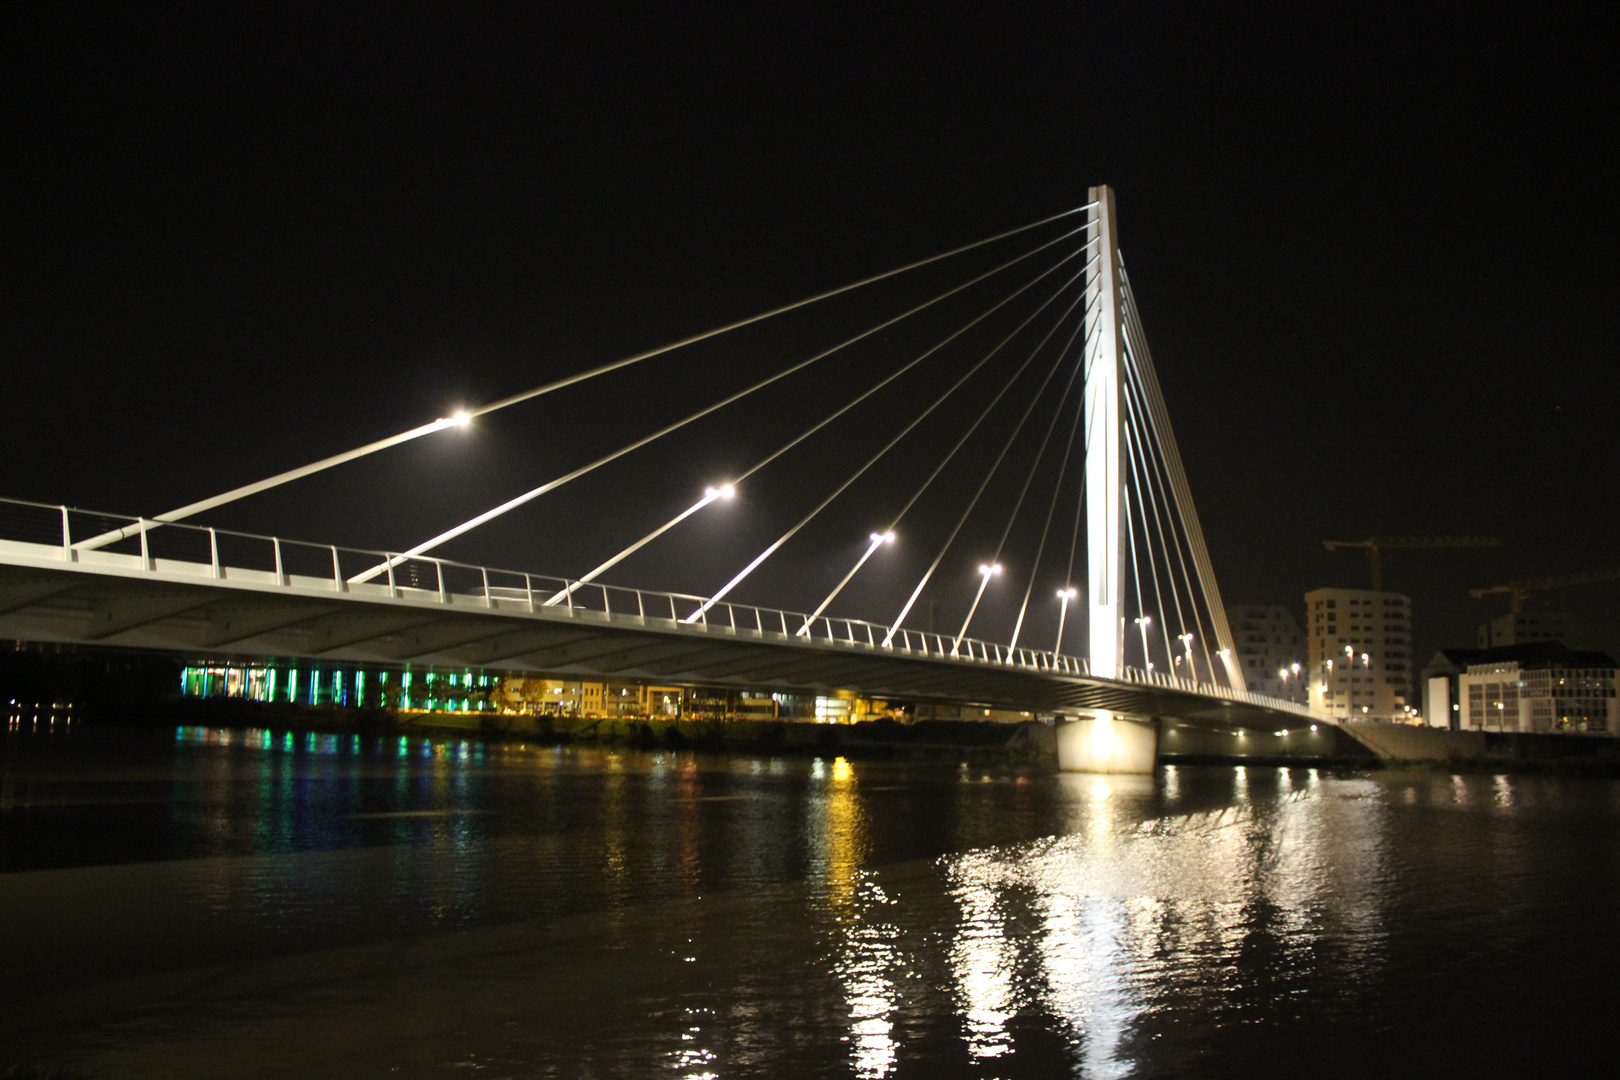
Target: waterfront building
(1360, 644)
(1440, 674)
(1542, 687)
(540, 697)
(305, 683)
(624, 698)
(717, 703)
(1271, 650)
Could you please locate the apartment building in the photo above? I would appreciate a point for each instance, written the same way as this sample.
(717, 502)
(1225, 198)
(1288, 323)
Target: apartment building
(1271, 650)
(1360, 645)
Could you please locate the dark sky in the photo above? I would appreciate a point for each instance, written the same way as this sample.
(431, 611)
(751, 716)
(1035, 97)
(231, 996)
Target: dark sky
(1375, 252)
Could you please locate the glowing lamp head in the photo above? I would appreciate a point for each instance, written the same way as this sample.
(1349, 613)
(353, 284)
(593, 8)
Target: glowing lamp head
(989, 569)
(727, 491)
(883, 537)
(1068, 594)
(460, 418)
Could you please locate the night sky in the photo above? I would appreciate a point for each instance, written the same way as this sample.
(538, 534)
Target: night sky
(1375, 254)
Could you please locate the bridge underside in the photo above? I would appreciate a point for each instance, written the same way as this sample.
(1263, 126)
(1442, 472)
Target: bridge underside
(100, 606)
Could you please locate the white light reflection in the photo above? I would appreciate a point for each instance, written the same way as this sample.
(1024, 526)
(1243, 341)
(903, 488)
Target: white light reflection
(982, 959)
(867, 969)
(691, 1059)
(1096, 927)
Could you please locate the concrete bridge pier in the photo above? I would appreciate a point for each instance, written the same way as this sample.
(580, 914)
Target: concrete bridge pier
(1107, 743)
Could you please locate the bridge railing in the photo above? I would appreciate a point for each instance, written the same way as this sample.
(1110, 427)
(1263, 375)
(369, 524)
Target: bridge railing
(184, 550)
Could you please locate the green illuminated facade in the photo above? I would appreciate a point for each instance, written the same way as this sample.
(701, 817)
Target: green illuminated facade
(433, 690)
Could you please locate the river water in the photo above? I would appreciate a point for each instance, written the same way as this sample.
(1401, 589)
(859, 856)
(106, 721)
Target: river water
(211, 903)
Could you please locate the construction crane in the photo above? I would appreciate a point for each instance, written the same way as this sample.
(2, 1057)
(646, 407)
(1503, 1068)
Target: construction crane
(1378, 544)
(1518, 590)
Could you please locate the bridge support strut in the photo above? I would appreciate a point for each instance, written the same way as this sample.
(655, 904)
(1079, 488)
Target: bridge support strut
(1106, 743)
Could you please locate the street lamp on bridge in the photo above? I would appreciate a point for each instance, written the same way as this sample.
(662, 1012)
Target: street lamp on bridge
(1064, 596)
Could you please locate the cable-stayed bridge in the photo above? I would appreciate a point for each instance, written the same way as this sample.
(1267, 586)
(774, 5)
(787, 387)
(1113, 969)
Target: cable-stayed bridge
(1057, 362)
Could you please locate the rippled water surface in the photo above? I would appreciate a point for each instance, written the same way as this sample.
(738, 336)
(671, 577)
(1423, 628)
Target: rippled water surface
(203, 903)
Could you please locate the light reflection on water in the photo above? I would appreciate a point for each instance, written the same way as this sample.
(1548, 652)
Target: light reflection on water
(629, 912)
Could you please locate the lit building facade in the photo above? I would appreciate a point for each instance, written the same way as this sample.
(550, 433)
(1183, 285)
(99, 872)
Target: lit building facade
(1542, 688)
(408, 690)
(1271, 650)
(1360, 645)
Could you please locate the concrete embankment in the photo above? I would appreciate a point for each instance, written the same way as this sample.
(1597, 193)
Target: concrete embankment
(1402, 744)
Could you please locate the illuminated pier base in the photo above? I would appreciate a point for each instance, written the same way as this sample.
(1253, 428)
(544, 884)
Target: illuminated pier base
(1105, 743)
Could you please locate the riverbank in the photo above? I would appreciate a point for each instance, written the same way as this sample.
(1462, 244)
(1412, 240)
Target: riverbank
(955, 740)
(1407, 746)
(1354, 745)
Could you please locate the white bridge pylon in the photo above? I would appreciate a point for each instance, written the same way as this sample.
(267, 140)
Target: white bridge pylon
(1131, 461)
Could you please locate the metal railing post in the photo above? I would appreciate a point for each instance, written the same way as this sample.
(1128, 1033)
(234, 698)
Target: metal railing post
(275, 542)
(338, 584)
(393, 590)
(528, 587)
(641, 606)
(213, 553)
(487, 601)
(67, 538)
(146, 547)
(444, 597)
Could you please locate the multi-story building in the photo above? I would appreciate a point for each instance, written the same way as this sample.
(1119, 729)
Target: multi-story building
(1526, 627)
(1541, 687)
(1271, 650)
(718, 703)
(1360, 653)
(1439, 681)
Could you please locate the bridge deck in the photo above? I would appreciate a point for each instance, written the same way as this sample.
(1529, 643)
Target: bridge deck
(133, 594)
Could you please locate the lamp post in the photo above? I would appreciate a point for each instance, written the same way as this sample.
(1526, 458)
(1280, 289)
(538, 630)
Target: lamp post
(1064, 596)
(710, 494)
(986, 572)
(877, 540)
